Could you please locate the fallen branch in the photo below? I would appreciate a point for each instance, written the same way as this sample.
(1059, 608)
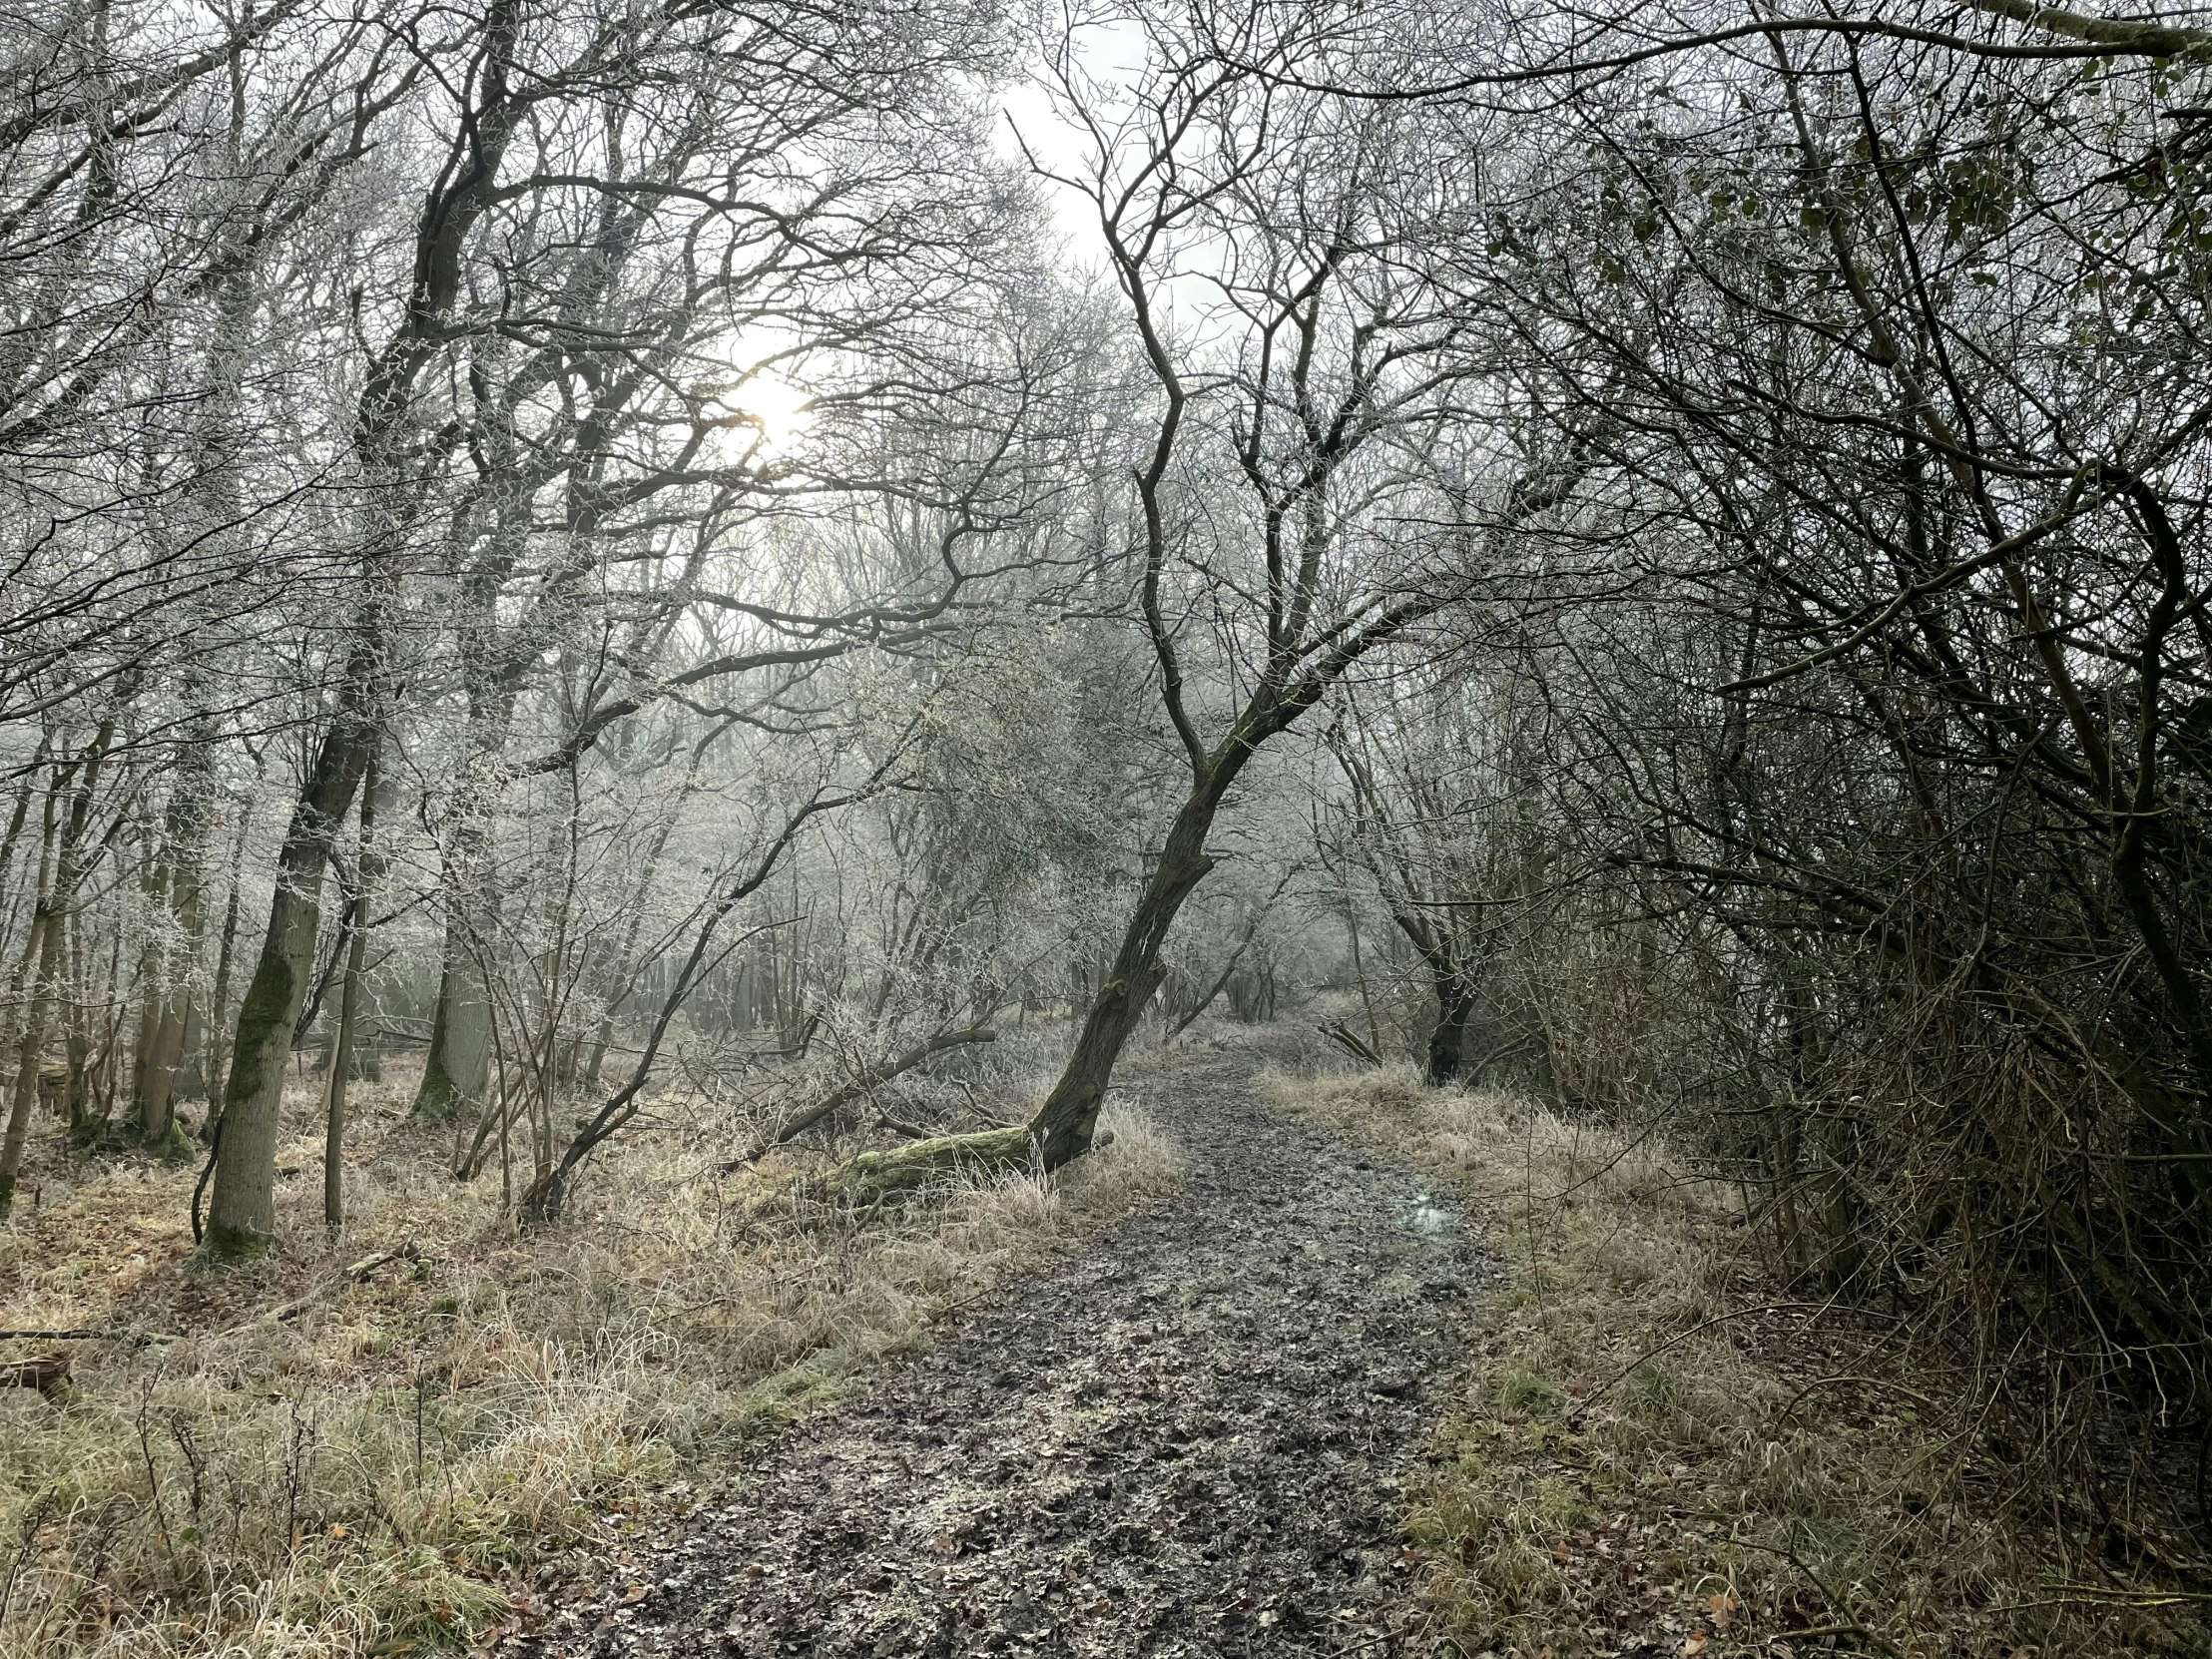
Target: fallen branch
(278, 1315)
(376, 1258)
(1349, 1040)
(874, 1078)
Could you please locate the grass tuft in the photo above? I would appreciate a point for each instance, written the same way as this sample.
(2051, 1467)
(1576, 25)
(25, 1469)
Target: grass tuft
(1659, 1448)
(436, 1448)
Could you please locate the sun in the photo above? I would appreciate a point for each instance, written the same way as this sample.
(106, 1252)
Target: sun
(770, 411)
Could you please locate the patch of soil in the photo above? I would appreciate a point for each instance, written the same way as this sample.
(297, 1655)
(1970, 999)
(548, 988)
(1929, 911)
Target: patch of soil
(1191, 1439)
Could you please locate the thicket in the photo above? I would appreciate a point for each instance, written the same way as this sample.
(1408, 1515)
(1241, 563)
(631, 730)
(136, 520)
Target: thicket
(737, 551)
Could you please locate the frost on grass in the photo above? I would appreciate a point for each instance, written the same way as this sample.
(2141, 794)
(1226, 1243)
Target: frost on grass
(1658, 1444)
(430, 1448)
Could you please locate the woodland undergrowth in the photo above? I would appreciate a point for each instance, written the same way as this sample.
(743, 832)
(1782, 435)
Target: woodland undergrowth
(405, 1439)
(1658, 1440)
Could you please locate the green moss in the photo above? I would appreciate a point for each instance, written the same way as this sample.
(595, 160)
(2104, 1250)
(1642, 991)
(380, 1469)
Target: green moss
(880, 1174)
(437, 1096)
(171, 1146)
(235, 1244)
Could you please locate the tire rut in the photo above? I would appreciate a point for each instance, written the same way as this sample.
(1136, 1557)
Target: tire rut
(1190, 1438)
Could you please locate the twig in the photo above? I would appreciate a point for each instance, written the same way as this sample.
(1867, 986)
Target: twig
(1835, 1603)
(2098, 1595)
(954, 1306)
(1871, 1382)
(276, 1315)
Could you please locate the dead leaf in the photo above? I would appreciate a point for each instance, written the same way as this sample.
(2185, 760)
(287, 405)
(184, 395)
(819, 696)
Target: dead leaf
(1693, 1644)
(635, 1592)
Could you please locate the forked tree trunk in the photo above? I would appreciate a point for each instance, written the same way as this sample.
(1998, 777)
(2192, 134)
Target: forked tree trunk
(1065, 1123)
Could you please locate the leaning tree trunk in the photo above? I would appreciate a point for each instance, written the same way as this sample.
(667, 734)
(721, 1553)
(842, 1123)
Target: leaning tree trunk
(1064, 1125)
(241, 1215)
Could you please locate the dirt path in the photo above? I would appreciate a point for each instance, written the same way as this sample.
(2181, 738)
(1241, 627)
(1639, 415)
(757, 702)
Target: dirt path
(1188, 1440)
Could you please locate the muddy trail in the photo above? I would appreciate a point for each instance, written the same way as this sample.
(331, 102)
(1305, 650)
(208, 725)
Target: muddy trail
(1190, 1438)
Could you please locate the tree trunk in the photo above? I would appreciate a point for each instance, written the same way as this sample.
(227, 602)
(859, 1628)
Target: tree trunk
(168, 999)
(1360, 973)
(192, 1056)
(457, 1069)
(349, 1001)
(241, 1215)
(215, 1066)
(1065, 1123)
(43, 949)
(1454, 1008)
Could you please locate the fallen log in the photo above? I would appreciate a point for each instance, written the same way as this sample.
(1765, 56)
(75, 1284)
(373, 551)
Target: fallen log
(875, 1175)
(1345, 1038)
(874, 1078)
(45, 1372)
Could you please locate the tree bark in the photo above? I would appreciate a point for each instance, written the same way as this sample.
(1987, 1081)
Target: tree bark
(1064, 1125)
(370, 866)
(215, 1066)
(43, 949)
(457, 1069)
(170, 999)
(242, 1215)
(1447, 1043)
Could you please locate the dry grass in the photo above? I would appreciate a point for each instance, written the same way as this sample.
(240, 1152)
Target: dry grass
(1660, 1449)
(436, 1447)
